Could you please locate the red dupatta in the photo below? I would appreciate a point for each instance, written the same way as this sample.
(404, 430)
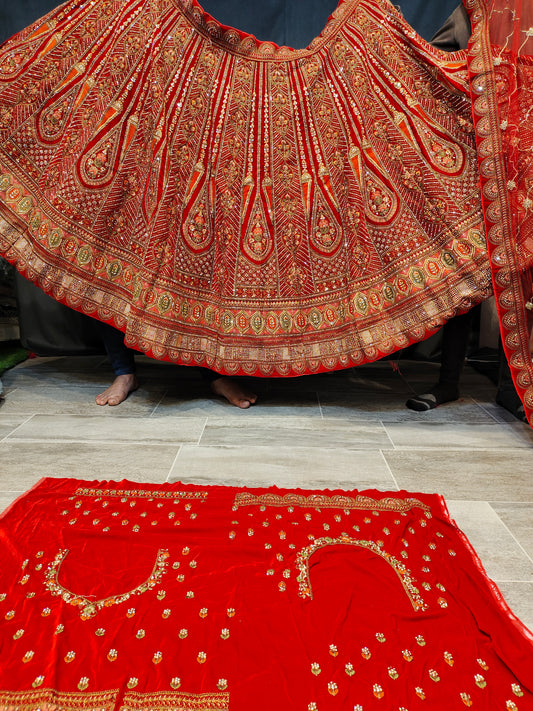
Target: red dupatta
(501, 68)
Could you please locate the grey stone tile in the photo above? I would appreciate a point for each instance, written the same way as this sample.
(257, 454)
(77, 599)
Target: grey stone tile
(105, 429)
(69, 398)
(39, 377)
(79, 364)
(497, 412)
(282, 466)
(497, 474)
(294, 431)
(390, 407)
(204, 403)
(519, 597)
(500, 554)
(518, 517)
(61, 372)
(24, 463)
(467, 435)
(9, 423)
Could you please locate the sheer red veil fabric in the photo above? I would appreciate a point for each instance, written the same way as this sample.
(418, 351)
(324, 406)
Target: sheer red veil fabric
(501, 67)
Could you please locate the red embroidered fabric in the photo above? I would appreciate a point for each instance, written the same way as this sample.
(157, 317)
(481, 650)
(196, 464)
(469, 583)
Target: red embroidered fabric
(226, 202)
(115, 595)
(501, 69)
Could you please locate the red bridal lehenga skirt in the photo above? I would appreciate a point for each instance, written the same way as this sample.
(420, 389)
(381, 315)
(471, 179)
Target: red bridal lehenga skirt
(262, 210)
(118, 596)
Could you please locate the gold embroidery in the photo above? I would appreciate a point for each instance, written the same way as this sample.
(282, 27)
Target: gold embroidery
(230, 39)
(322, 501)
(177, 701)
(404, 574)
(89, 608)
(49, 698)
(143, 493)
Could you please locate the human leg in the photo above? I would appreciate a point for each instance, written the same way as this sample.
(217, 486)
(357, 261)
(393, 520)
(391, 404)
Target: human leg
(122, 361)
(455, 336)
(229, 389)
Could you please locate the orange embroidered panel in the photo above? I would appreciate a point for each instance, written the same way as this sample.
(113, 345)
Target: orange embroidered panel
(224, 202)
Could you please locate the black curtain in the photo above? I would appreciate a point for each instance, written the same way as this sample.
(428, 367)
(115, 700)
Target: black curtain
(286, 22)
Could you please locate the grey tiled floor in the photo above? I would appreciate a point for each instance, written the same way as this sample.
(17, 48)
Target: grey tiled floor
(345, 430)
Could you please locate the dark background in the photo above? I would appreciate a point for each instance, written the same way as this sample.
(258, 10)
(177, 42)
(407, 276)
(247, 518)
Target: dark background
(287, 22)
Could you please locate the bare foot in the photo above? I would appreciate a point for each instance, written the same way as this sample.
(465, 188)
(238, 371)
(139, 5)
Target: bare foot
(233, 392)
(119, 390)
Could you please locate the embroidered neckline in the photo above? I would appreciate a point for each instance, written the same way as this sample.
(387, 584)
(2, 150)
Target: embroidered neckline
(238, 42)
(403, 573)
(89, 608)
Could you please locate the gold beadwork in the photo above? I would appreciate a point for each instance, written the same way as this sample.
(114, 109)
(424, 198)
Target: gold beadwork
(89, 608)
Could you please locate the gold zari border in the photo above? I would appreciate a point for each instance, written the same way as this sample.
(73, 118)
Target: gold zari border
(143, 494)
(89, 608)
(177, 701)
(52, 700)
(401, 570)
(323, 501)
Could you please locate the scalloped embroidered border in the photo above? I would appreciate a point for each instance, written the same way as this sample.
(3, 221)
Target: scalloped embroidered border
(50, 698)
(106, 700)
(322, 501)
(237, 42)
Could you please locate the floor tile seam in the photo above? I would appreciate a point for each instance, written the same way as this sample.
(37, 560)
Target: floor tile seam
(466, 448)
(291, 447)
(458, 449)
(3, 439)
(518, 543)
(203, 431)
(382, 455)
(320, 409)
(506, 502)
(132, 442)
(493, 415)
(152, 413)
(167, 481)
(59, 385)
(63, 413)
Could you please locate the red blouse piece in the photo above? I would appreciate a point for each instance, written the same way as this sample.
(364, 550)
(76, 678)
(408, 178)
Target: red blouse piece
(115, 595)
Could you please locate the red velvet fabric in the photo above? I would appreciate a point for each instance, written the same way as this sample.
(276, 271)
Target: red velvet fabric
(127, 596)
